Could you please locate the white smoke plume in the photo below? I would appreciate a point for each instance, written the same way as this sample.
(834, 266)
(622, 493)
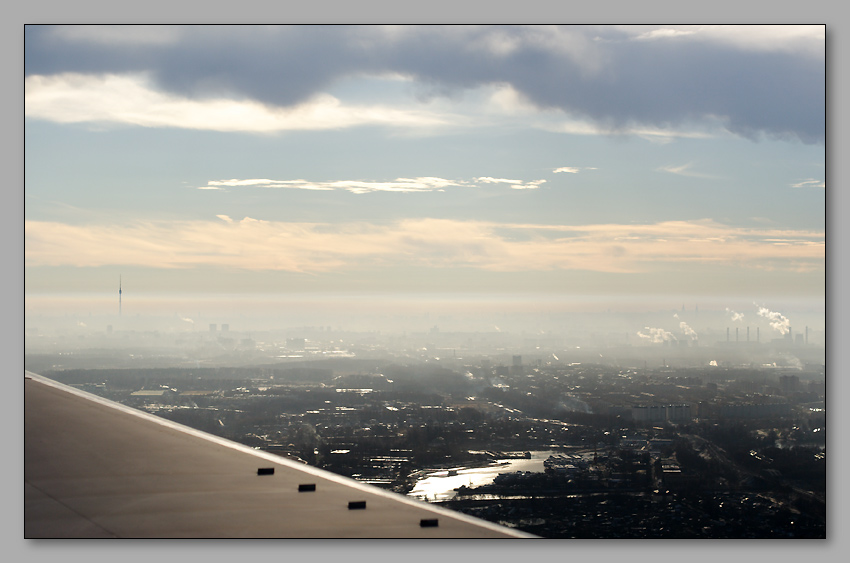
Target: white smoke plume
(778, 321)
(735, 315)
(656, 335)
(188, 320)
(688, 331)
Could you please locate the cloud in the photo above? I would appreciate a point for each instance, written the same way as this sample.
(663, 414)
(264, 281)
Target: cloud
(502, 105)
(404, 185)
(514, 184)
(808, 39)
(572, 169)
(810, 183)
(684, 170)
(266, 183)
(533, 185)
(658, 135)
(131, 100)
(490, 180)
(117, 35)
(755, 80)
(257, 245)
(663, 33)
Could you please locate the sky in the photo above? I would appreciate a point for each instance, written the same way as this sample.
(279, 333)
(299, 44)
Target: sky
(576, 163)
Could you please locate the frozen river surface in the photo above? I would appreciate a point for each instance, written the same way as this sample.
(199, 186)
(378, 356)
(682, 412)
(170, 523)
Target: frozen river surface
(439, 485)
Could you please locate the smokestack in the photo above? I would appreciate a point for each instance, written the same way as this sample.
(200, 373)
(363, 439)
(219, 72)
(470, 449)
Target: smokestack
(758, 337)
(807, 336)
(736, 335)
(727, 334)
(748, 334)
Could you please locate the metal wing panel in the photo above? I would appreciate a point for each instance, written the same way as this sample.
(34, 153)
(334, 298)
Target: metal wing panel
(94, 468)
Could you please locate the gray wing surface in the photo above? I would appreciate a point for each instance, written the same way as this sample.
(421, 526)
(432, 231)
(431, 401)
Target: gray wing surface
(95, 468)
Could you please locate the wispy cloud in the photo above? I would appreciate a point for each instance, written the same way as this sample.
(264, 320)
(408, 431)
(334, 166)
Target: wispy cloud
(419, 184)
(515, 184)
(663, 33)
(253, 244)
(572, 169)
(658, 135)
(684, 170)
(810, 183)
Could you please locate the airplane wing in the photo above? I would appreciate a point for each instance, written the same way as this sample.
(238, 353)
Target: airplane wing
(96, 468)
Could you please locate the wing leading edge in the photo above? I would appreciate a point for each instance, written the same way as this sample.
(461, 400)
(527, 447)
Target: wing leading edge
(95, 468)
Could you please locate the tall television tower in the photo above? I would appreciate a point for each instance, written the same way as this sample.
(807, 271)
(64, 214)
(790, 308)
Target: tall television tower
(119, 296)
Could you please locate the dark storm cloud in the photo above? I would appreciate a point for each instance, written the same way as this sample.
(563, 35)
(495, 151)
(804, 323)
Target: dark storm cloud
(602, 74)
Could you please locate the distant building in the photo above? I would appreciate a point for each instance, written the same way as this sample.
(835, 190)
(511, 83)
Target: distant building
(149, 393)
(147, 396)
(657, 413)
(516, 365)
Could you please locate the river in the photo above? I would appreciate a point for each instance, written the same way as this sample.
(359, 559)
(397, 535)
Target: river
(439, 485)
